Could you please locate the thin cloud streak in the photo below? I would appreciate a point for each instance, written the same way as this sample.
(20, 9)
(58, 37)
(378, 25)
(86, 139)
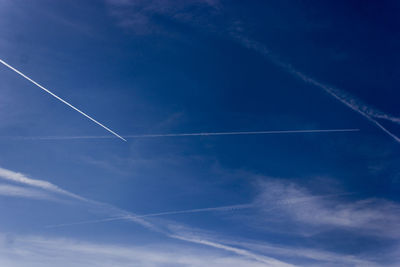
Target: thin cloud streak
(49, 251)
(52, 188)
(184, 134)
(110, 209)
(256, 204)
(44, 185)
(173, 231)
(370, 216)
(60, 99)
(224, 208)
(22, 192)
(355, 104)
(264, 259)
(352, 102)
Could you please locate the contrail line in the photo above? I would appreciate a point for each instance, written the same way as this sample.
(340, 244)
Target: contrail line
(224, 208)
(289, 201)
(351, 102)
(62, 100)
(180, 134)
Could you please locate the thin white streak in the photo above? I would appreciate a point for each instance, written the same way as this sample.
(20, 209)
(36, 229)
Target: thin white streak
(23, 179)
(239, 251)
(20, 178)
(350, 101)
(49, 187)
(61, 252)
(224, 208)
(60, 99)
(182, 134)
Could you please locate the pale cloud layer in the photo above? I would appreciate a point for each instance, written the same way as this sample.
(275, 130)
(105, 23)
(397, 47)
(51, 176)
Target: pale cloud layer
(16, 251)
(297, 204)
(20, 178)
(113, 211)
(138, 15)
(293, 203)
(19, 191)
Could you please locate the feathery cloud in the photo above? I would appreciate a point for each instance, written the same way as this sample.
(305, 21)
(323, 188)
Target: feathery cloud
(23, 192)
(23, 179)
(109, 209)
(263, 259)
(40, 251)
(296, 204)
(291, 200)
(138, 15)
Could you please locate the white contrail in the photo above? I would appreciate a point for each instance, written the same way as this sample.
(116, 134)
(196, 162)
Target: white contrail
(284, 202)
(355, 104)
(62, 100)
(17, 177)
(224, 208)
(47, 186)
(181, 134)
(112, 210)
(271, 262)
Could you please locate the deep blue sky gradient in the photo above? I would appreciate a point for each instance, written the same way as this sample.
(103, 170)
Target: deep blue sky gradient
(175, 68)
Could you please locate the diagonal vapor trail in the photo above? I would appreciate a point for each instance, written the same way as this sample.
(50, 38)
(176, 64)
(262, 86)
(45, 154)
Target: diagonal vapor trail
(183, 134)
(60, 99)
(224, 208)
(352, 102)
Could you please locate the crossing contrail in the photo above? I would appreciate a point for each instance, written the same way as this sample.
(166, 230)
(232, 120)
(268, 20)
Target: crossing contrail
(180, 134)
(284, 202)
(60, 99)
(224, 208)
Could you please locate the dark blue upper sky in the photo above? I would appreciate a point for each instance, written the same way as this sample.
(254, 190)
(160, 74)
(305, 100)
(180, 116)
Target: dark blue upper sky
(163, 66)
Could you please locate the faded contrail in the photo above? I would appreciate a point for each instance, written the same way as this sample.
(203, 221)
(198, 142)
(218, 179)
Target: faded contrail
(17, 177)
(355, 104)
(224, 208)
(62, 100)
(181, 134)
(288, 201)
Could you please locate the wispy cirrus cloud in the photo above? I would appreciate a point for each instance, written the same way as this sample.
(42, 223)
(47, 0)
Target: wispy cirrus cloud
(243, 252)
(111, 210)
(41, 251)
(296, 204)
(313, 257)
(17, 177)
(139, 15)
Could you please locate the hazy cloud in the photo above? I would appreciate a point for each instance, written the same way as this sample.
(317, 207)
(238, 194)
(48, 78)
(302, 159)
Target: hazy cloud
(294, 203)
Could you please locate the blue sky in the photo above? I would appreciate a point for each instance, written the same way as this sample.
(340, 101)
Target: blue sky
(164, 67)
